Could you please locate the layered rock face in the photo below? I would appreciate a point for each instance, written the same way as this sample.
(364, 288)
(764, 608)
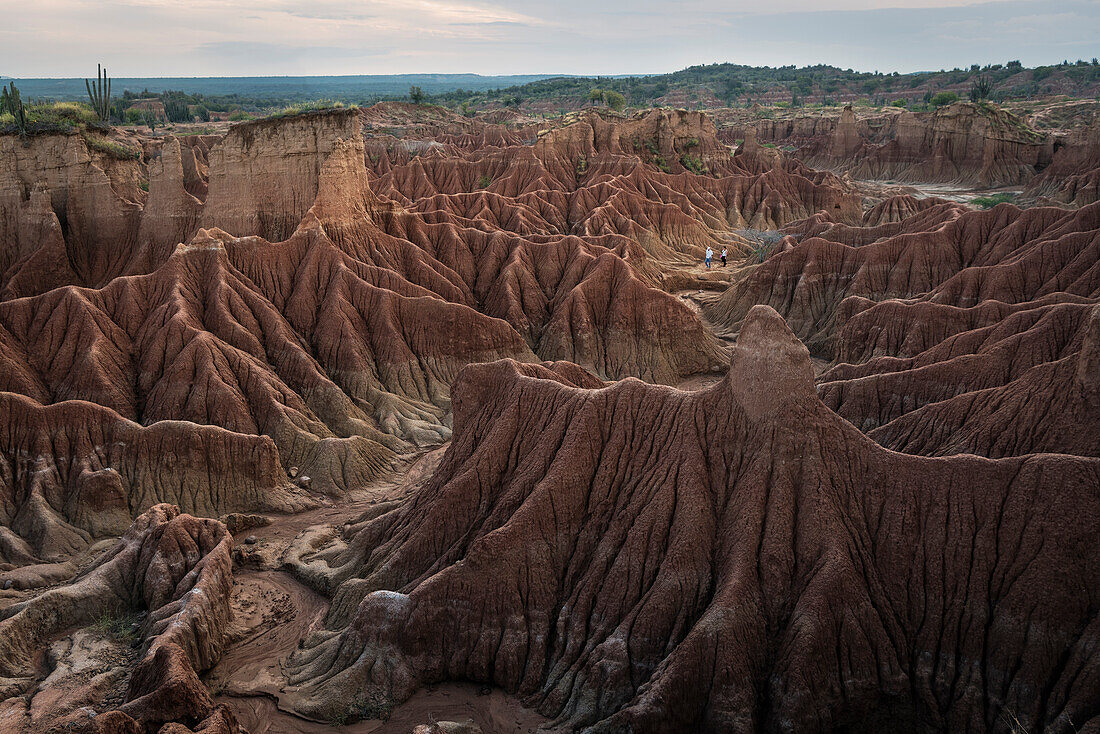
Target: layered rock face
(1073, 176)
(962, 144)
(636, 558)
(949, 331)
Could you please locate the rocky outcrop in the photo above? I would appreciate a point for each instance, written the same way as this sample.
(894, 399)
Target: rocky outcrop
(740, 558)
(963, 144)
(63, 219)
(1073, 176)
(175, 568)
(73, 472)
(265, 174)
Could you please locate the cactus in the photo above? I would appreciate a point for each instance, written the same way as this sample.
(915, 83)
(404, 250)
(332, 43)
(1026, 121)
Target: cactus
(13, 103)
(981, 89)
(100, 93)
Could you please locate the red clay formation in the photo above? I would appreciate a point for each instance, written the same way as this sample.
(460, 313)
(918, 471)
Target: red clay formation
(962, 144)
(422, 366)
(176, 570)
(636, 558)
(949, 332)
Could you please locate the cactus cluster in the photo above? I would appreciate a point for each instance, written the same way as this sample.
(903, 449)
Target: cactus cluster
(100, 93)
(10, 101)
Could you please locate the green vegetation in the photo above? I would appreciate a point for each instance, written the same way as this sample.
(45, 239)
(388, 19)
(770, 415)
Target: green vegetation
(610, 97)
(484, 180)
(110, 147)
(100, 93)
(316, 105)
(733, 84)
(980, 89)
(11, 105)
(762, 242)
(694, 164)
(118, 625)
(988, 202)
(240, 116)
(48, 118)
(743, 85)
(943, 98)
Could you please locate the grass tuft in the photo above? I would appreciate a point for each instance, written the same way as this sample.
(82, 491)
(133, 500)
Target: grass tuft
(315, 105)
(119, 625)
(111, 148)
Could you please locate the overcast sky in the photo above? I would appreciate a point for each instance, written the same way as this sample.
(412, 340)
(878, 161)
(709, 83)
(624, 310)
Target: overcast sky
(148, 38)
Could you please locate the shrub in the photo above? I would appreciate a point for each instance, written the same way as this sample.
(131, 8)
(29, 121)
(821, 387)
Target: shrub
(364, 708)
(47, 118)
(239, 116)
(111, 148)
(75, 111)
(694, 164)
(988, 202)
(614, 100)
(416, 94)
(900, 103)
(762, 242)
(316, 105)
(943, 98)
(484, 180)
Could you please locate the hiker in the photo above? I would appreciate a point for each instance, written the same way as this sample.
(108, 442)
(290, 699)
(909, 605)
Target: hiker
(723, 257)
(710, 254)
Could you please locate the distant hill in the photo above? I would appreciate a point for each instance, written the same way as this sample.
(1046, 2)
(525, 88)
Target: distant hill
(732, 84)
(282, 88)
(697, 87)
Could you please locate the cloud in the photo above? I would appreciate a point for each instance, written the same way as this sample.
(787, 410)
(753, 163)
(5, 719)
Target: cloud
(247, 50)
(293, 37)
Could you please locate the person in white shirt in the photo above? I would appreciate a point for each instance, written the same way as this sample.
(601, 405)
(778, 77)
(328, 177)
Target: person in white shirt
(723, 257)
(710, 254)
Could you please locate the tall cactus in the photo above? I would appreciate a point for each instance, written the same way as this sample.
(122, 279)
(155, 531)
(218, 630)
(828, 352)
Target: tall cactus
(11, 101)
(100, 93)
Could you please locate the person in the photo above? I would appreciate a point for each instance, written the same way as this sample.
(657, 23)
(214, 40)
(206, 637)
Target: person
(710, 254)
(723, 257)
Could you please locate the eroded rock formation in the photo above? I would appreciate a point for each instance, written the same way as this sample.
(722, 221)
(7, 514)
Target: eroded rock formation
(636, 558)
(176, 571)
(961, 144)
(949, 331)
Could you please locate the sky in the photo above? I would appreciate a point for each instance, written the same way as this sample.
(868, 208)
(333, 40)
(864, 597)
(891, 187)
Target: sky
(150, 38)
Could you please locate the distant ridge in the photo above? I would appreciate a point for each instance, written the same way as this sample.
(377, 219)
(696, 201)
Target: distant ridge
(346, 88)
